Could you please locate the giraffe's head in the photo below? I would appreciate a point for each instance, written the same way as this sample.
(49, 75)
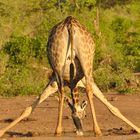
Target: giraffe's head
(80, 110)
(78, 115)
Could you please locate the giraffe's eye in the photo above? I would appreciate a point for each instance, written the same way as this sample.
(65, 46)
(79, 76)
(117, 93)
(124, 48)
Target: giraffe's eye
(83, 104)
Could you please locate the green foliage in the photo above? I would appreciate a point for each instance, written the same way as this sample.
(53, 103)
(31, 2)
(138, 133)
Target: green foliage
(17, 75)
(118, 54)
(22, 81)
(24, 29)
(86, 3)
(21, 49)
(127, 40)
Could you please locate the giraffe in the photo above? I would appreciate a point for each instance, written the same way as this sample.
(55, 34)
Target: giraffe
(70, 50)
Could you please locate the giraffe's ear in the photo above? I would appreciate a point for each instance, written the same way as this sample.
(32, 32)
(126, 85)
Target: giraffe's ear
(83, 105)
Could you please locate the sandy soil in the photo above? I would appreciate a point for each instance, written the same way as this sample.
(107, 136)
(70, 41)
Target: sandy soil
(41, 123)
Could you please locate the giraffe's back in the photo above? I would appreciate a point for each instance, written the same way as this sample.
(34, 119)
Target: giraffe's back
(59, 53)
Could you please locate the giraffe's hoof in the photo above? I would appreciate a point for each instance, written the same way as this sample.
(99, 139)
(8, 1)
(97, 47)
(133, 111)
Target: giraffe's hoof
(58, 132)
(79, 133)
(98, 133)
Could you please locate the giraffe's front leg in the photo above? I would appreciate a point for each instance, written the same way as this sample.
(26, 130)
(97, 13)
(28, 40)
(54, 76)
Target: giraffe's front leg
(113, 110)
(50, 89)
(90, 97)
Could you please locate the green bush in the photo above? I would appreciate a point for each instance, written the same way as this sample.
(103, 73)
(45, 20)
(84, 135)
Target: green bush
(21, 49)
(23, 81)
(24, 29)
(117, 54)
(17, 75)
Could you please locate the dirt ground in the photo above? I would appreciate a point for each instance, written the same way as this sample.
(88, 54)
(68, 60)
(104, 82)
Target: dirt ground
(41, 123)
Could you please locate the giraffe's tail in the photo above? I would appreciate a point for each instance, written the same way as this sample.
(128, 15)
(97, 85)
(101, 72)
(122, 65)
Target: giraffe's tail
(68, 25)
(72, 57)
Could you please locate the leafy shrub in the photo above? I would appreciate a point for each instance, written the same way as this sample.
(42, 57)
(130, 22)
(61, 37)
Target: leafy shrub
(22, 81)
(17, 74)
(21, 49)
(25, 30)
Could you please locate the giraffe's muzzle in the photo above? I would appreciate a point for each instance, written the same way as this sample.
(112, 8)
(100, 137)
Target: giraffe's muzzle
(78, 123)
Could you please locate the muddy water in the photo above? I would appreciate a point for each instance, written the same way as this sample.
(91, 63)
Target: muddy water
(42, 123)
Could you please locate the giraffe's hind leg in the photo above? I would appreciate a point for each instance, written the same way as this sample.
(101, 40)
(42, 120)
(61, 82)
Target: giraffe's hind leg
(86, 63)
(58, 130)
(60, 84)
(50, 89)
(90, 97)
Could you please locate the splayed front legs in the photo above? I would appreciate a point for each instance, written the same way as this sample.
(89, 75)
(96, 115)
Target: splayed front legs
(50, 89)
(112, 109)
